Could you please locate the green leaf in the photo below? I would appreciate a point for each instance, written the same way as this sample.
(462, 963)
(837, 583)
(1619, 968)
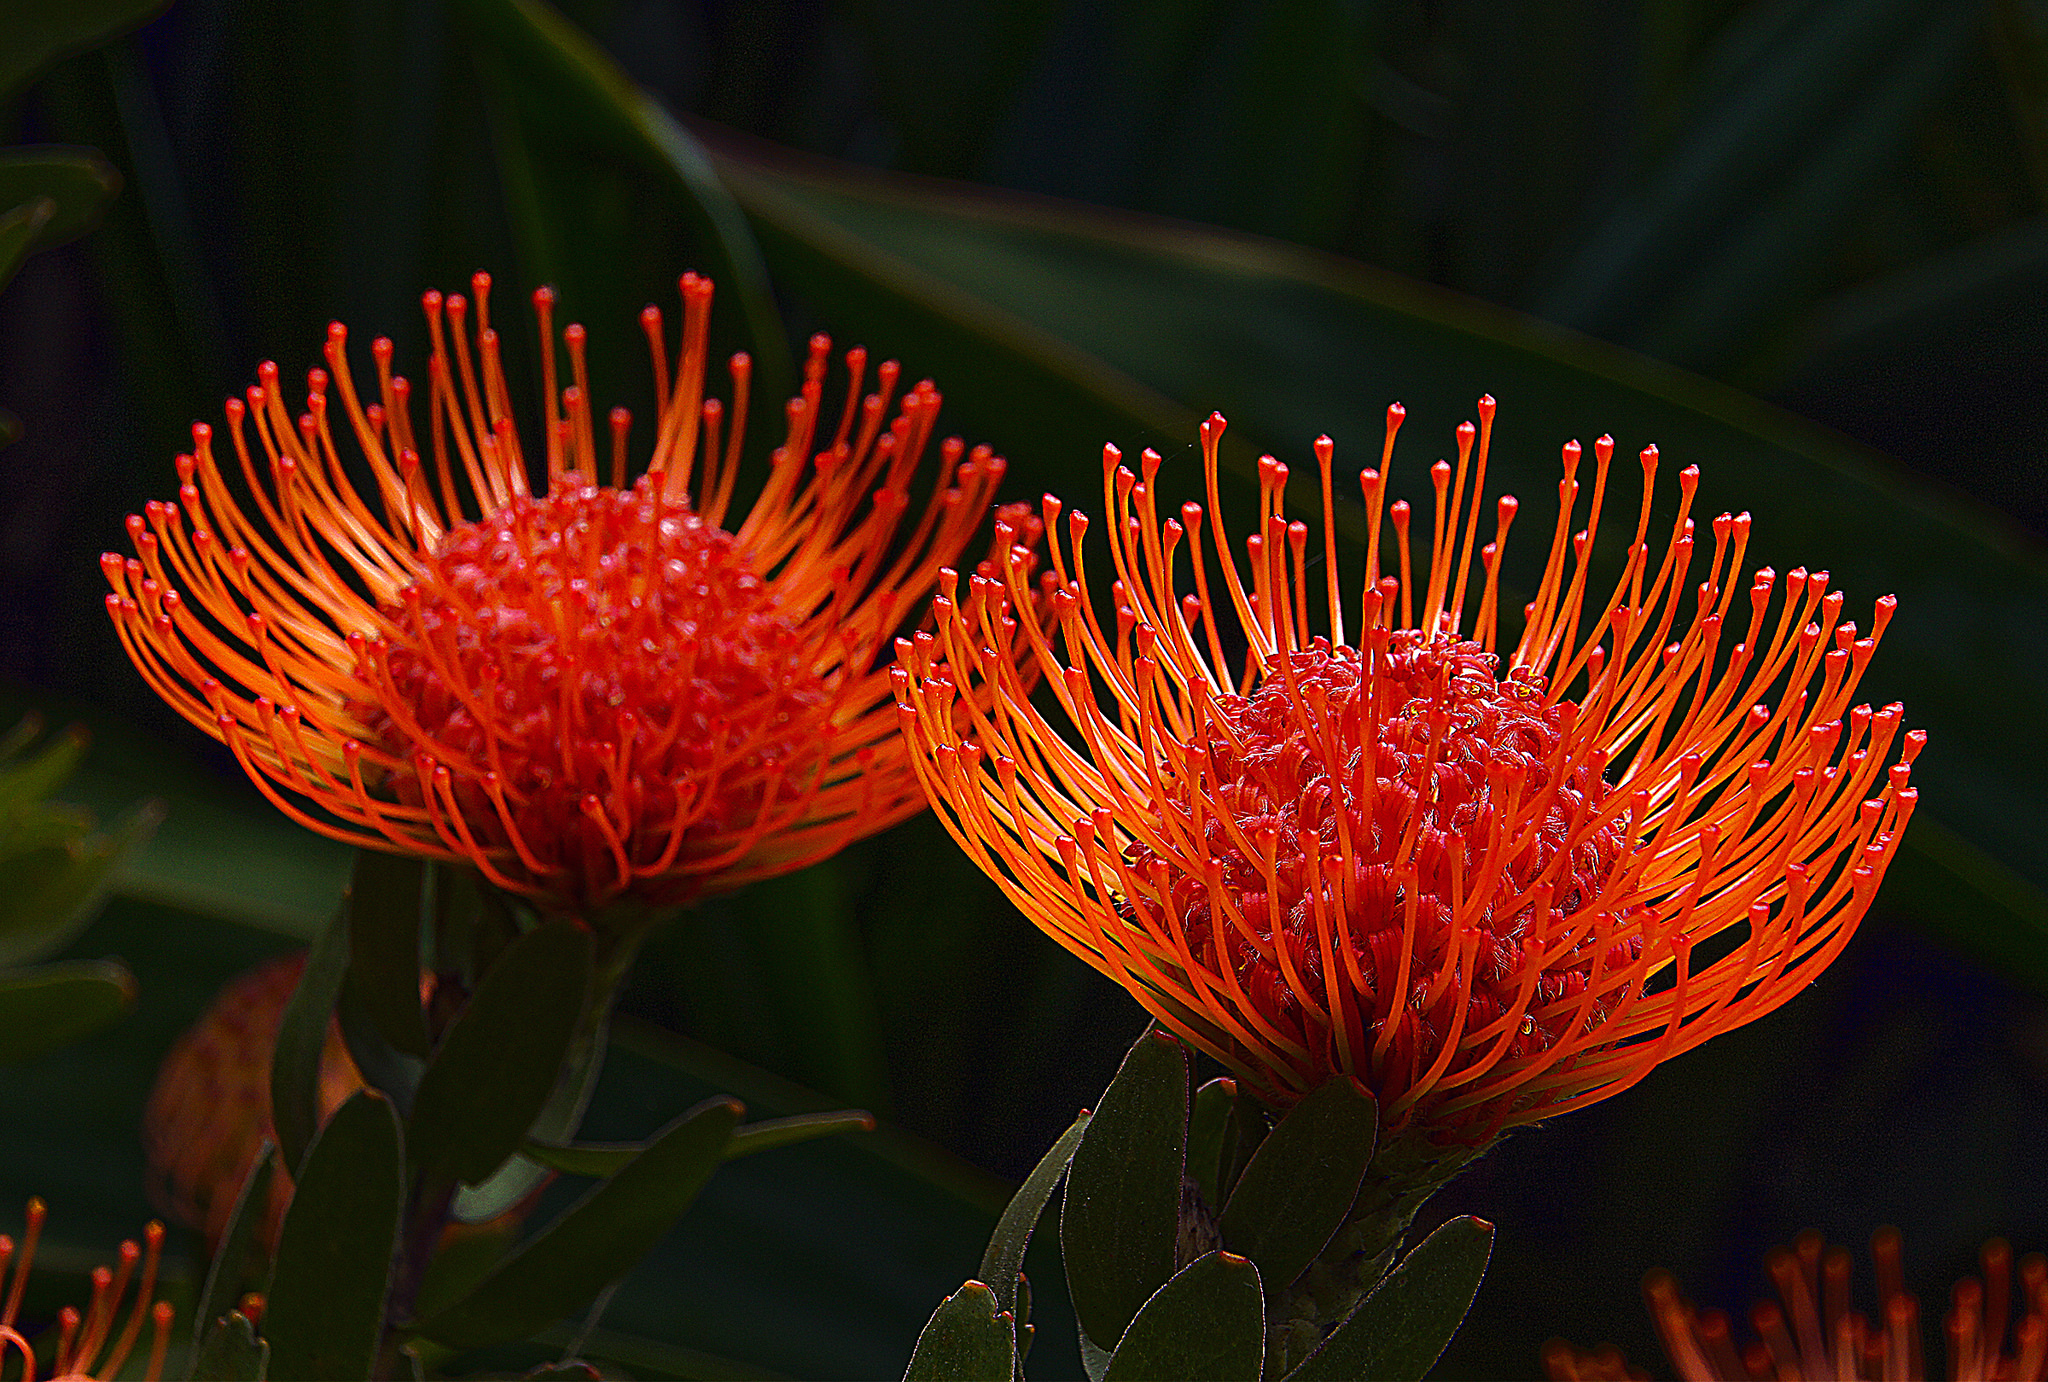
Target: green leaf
(1398, 1332)
(54, 1005)
(1002, 1264)
(597, 1241)
(20, 227)
(40, 33)
(224, 1275)
(966, 1340)
(609, 1158)
(1121, 1215)
(77, 181)
(502, 1056)
(578, 85)
(325, 1312)
(301, 1038)
(385, 904)
(1298, 1187)
(232, 1353)
(52, 893)
(1209, 1321)
(1212, 1133)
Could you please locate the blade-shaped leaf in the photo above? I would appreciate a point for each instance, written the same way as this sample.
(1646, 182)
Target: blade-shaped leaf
(1299, 1185)
(301, 1037)
(385, 903)
(232, 1353)
(1121, 1215)
(53, 893)
(1208, 1321)
(966, 1340)
(324, 1315)
(54, 1005)
(1004, 1259)
(41, 32)
(1397, 1333)
(610, 1158)
(78, 182)
(501, 1057)
(1212, 1128)
(597, 1241)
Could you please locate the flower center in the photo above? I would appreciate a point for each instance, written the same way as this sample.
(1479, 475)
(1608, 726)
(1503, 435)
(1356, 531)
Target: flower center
(1422, 792)
(602, 671)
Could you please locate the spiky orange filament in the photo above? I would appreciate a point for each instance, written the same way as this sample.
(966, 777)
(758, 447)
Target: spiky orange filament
(95, 1343)
(588, 690)
(1480, 882)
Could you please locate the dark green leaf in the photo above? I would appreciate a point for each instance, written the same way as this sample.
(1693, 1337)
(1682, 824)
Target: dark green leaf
(78, 181)
(20, 227)
(1121, 1215)
(301, 1037)
(559, 1118)
(1212, 1128)
(50, 1006)
(967, 1340)
(385, 903)
(53, 893)
(1004, 1260)
(1397, 1333)
(609, 1158)
(224, 1275)
(41, 32)
(577, 83)
(232, 1353)
(1299, 1185)
(325, 1312)
(597, 1241)
(502, 1056)
(1209, 1322)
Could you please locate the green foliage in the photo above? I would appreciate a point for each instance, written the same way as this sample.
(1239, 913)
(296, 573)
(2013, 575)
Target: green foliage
(1208, 1321)
(385, 911)
(301, 1039)
(325, 1312)
(968, 1340)
(40, 32)
(212, 1354)
(1399, 1331)
(78, 184)
(608, 1159)
(1120, 1220)
(232, 1353)
(48, 1006)
(595, 1242)
(1298, 1188)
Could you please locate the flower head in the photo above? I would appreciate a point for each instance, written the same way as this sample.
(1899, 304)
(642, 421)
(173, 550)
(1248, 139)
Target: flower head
(1488, 881)
(1810, 1331)
(593, 690)
(208, 1114)
(95, 1343)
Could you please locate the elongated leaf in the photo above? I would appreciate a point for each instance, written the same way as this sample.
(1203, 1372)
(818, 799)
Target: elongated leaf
(54, 892)
(41, 32)
(223, 1276)
(1212, 1127)
(967, 1340)
(1121, 1215)
(54, 1005)
(385, 904)
(501, 1057)
(1290, 343)
(597, 1241)
(1397, 1333)
(1299, 1185)
(610, 1158)
(1004, 1259)
(78, 182)
(1208, 1321)
(301, 1036)
(325, 1312)
(20, 227)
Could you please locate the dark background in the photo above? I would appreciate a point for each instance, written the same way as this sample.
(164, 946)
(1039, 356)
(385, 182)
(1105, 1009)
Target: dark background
(1834, 206)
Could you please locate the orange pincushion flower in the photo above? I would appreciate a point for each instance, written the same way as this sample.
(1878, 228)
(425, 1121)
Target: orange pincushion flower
(1810, 1332)
(591, 692)
(88, 1345)
(209, 1112)
(1479, 881)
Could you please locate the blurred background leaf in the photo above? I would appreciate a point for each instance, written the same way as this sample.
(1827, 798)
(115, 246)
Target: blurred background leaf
(1298, 211)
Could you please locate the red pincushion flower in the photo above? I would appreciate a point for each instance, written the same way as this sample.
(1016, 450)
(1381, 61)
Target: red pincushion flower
(1481, 882)
(592, 692)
